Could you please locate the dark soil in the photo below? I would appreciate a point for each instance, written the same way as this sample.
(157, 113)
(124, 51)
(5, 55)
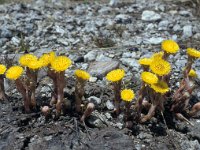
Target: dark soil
(31, 131)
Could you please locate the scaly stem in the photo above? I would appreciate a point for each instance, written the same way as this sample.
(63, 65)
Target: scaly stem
(140, 100)
(25, 94)
(60, 88)
(3, 96)
(54, 94)
(79, 92)
(117, 98)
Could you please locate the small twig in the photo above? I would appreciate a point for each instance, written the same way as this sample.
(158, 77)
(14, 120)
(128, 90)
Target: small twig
(164, 120)
(87, 130)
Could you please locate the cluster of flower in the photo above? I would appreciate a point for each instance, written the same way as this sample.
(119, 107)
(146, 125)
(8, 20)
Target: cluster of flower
(152, 95)
(155, 83)
(25, 77)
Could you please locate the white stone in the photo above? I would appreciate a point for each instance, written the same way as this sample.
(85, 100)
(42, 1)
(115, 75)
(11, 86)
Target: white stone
(149, 15)
(109, 105)
(90, 56)
(187, 31)
(154, 40)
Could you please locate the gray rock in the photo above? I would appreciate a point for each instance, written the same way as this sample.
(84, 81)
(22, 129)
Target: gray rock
(187, 31)
(90, 56)
(154, 40)
(185, 13)
(95, 122)
(93, 79)
(113, 2)
(149, 15)
(177, 27)
(163, 25)
(94, 100)
(105, 10)
(123, 18)
(130, 62)
(2, 42)
(100, 69)
(102, 57)
(109, 105)
(63, 41)
(128, 55)
(5, 33)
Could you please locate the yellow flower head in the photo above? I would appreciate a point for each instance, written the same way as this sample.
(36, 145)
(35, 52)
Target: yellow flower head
(35, 64)
(52, 56)
(82, 74)
(115, 75)
(60, 63)
(170, 46)
(24, 60)
(145, 61)
(157, 56)
(149, 77)
(2, 69)
(160, 87)
(127, 95)
(193, 73)
(14, 72)
(160, 67)
(193, 52)
(45, 59)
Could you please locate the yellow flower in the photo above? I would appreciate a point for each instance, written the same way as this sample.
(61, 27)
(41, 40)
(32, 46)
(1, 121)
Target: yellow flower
(60, 63)
(170, 46)
(35, 64)
(160, 67)
(45, 59)
(52, 56)
(127, 95)
(14, 72)
(82, 74)
(24, 60)
(160, 87)
(149, 77)
(2, 69)
(157, 56)
(193, 73)
(145, 61)
(115, 75)
(193, 52)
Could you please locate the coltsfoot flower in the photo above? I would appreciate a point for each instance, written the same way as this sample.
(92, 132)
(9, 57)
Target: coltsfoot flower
(160, 87)
(60, 63)
(127, 95)
(45, 60)
(35, 64)
(170, 46)
(157, 56)
(52, 56)
(14, 72)
(82, 74)
(193, 52)
(193, 73)
(160, 67)
(115, 75)
(2, 69)
(149, 77)
(145, 61)
(24, 60)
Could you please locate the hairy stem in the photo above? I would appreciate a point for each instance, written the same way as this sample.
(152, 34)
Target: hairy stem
(3, 96)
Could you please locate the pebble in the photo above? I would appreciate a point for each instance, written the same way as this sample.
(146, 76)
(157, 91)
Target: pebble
(109, 105)
(187, 31)
(149, 15)
(90, 56)
(101, 68)
(94, 100)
